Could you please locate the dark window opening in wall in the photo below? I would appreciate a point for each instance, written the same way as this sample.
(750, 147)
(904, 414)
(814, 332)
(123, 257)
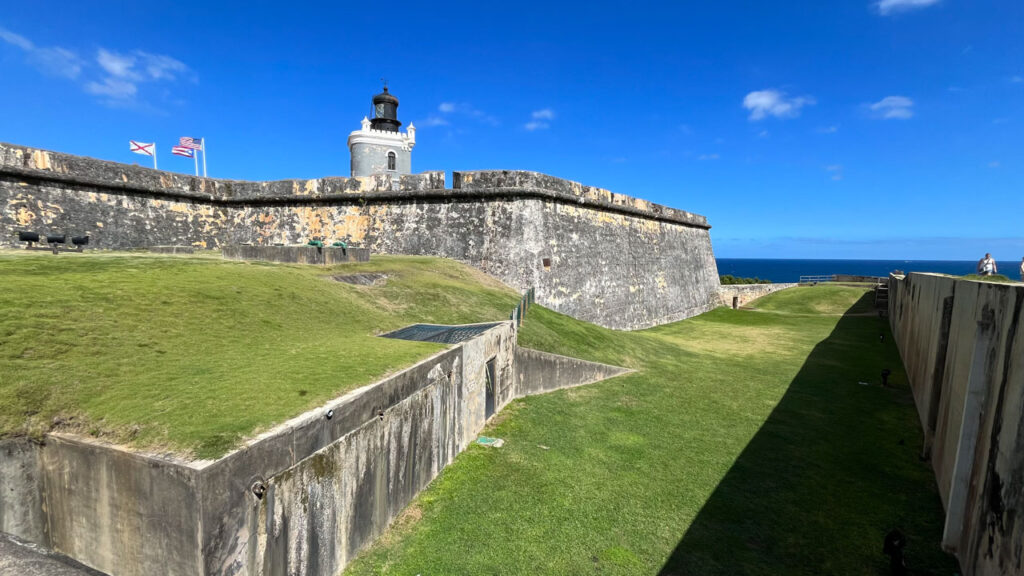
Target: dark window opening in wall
(392, 160)
(735, 302)
(492, 385)
(547, 263)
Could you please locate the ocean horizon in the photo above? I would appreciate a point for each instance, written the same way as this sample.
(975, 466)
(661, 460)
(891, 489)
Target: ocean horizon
(790, 270)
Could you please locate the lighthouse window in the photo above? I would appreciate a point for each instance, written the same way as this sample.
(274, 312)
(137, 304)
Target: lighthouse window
(391, 160)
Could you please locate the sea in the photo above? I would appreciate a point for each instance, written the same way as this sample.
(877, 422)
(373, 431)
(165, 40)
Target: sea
(791, 270)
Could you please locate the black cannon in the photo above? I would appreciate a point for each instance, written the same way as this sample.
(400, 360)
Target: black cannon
(56, 243)
(32, 238)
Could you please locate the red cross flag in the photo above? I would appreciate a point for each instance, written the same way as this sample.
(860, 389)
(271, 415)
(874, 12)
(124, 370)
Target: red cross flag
(144, 149)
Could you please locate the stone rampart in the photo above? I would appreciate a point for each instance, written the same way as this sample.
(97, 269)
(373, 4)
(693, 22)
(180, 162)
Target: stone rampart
(962, 343)
(736, 295)
(603, 257)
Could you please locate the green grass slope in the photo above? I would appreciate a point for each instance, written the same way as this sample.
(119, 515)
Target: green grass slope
(193, 354)
(743, 444)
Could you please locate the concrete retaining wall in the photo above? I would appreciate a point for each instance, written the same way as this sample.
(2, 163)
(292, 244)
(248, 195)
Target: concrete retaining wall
(538, 372)
(736, 295)
(322, 256)
(21, 491)
(962, 343)
(606, 258)
(331, 480)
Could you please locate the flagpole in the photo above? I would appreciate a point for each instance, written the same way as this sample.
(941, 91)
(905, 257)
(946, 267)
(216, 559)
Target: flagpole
(154, 156)
(195, 157)
(203, 140)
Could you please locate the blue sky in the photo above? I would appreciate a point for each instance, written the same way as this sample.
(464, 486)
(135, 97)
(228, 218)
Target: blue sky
(800, 128)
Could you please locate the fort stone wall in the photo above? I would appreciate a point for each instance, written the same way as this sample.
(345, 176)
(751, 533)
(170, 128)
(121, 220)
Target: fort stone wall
(737, 295)
(607, 258)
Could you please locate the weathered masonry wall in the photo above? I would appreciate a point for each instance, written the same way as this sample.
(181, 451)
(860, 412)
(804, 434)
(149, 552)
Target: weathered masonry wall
(736, 295)
(603, 257)
(318, 255)
(333, 479)
(962, 343)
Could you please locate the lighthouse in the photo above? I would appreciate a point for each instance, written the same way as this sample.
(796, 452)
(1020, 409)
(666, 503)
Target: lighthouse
(379, 146)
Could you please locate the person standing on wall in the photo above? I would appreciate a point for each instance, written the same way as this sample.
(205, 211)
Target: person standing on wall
(1022, 269)
(987, 265)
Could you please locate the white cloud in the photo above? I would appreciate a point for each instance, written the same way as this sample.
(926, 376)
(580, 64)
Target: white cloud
(15, 39)
(464, 109)
(117, 65)
(836, 171)
(432, 121)
(762, 134)
(540, 119)
(113, 88)
(140, 66)
(126, 71)
(899, 107)
(57, 62)
(51, 60)
(703, 157)
(993, 164)
(113, 76)
(765, 103)
(828, 129)
(160, 67)
(1017, 79)
(886, 7)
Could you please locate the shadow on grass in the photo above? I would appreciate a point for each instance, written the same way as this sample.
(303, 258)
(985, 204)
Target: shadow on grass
(832, 470)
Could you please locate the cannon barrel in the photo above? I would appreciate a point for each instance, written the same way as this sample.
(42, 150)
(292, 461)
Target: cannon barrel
(79, 240)
(28, 236)
(63, 238)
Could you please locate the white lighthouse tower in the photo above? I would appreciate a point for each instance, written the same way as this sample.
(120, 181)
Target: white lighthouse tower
(379, 147)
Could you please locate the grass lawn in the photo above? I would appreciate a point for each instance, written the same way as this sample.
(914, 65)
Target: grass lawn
(193, 354)
(997, 278)
(743, 444)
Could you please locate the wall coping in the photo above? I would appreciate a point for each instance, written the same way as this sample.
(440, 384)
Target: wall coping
(43, 165)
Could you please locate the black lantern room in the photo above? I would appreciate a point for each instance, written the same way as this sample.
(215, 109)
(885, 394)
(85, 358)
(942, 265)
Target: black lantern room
(385, 112)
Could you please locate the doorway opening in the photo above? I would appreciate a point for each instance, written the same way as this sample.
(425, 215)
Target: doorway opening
(492, 378)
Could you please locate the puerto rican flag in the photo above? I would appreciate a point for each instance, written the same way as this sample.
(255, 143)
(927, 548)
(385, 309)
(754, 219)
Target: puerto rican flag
(191, 143)
(142, 148)
(183, 151)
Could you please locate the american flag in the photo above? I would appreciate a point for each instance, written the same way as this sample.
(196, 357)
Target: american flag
(192, 143)
(183, 151)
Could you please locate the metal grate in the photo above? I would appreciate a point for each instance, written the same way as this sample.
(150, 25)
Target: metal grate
(440, 333)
